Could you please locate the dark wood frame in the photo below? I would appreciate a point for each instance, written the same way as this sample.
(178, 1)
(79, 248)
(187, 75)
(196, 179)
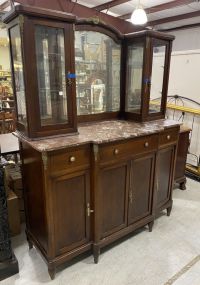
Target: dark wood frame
(26, 23)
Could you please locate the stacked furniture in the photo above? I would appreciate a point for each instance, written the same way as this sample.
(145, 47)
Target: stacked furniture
(88, 184)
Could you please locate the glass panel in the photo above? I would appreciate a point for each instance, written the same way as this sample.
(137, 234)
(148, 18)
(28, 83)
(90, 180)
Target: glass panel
(97, 59)
(134, 78)
(18, 73)
(50, 53)
(157, 75)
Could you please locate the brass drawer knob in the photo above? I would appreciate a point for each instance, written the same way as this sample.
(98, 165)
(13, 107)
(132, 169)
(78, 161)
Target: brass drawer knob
(168, 137)
(72, 158)
(146, 144)
(116, 151)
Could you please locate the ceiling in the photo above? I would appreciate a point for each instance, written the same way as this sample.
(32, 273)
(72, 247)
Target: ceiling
(162, 14)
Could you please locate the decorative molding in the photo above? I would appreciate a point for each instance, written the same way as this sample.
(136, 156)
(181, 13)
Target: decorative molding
(95, 20)
(21, 23)
(95, 151)
(45, 159)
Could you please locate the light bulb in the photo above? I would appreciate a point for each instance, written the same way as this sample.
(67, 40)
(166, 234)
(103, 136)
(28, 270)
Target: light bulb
(139, 16)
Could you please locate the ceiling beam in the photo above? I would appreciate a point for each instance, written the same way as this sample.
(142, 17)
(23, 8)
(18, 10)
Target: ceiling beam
(109, 5)
(174, 18)
(161, 7)
(4, 5)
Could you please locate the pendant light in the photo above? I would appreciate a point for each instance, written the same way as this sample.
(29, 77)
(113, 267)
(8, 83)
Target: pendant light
(139, 16)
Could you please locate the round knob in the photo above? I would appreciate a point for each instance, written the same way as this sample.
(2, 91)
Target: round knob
(168, 137)
(146, 144)
(72, 158)
(116, 151)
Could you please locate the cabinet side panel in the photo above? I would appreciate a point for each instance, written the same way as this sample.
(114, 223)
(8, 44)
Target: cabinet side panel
(34, 194)
(182, 149)
(165, 160)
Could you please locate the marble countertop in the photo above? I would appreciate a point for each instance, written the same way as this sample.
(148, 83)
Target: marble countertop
(100, 132)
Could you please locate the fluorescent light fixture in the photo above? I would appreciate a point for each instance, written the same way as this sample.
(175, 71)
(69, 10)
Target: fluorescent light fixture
(139, 16)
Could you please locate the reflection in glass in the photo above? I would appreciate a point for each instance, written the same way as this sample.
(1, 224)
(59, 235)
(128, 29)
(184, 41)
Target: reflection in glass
(134, 78)
(18, 73)
(157, 75)
(97, 59)
(50, 55)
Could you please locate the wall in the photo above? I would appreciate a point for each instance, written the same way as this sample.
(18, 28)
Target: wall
(185, 81)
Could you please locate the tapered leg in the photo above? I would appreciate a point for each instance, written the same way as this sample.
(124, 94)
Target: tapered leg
(96, 253)
(30, 244)
(150, 225)
(52, 272)
(169, 211)
(182, 185)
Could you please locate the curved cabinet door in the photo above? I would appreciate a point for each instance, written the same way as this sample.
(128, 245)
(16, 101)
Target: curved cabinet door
(113, 185)
(141, 188)
(71, 195)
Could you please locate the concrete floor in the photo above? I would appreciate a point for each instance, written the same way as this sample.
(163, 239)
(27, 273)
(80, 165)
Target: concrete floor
(168, 255)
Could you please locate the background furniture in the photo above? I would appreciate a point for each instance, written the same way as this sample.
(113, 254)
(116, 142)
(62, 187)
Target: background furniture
(8, 261)
(182, 150)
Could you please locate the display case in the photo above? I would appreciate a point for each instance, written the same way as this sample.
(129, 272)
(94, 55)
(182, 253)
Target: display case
(42, 57)
(98, 71)
(147, 62)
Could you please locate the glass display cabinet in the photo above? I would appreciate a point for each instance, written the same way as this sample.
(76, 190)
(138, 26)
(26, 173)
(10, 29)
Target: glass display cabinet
(42, 56)
(98, 72)
(147, 61)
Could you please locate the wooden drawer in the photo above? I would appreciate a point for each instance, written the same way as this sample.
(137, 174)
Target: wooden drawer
(168, 137)
(128, 148)
(70, 158)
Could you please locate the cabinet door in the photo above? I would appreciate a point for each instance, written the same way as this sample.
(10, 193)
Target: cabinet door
(71, 196)
(165, 165)
(113, 198)
(141, 188)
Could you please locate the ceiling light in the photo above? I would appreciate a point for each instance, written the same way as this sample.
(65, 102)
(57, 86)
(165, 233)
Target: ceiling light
(139, 16)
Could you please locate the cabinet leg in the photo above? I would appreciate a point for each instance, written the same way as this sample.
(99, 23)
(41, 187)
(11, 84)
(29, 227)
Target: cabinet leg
(96, 253)
(182, 185)
(150, 225)
(169, 211)
(52, 272)
(30, 244)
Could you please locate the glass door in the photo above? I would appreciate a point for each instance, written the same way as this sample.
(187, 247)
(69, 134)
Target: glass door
(157, 89)
(135, 58)
(50, 62)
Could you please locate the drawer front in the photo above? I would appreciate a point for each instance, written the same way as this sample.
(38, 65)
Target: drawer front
(168, 137)
(126, 149)
(70, 158)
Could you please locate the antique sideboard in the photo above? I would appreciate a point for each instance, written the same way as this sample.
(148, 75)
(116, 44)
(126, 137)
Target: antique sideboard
(98, 156)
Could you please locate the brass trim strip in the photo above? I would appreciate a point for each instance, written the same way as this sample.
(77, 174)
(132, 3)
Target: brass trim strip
(183, 270)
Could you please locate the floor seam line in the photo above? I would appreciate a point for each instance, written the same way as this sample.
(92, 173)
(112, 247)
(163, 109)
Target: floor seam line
(183, 270)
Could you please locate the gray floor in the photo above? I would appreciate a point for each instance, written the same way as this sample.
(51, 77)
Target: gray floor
(168, 255)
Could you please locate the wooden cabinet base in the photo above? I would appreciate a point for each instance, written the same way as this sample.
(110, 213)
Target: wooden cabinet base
(91, 195)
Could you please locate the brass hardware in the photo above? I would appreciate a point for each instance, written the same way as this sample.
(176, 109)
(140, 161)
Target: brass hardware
(44, 160)
(131, 196)
(95, 151)
(72, 158)
(168, 137)
(116, 151)
(89, 211)
(146, 144)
